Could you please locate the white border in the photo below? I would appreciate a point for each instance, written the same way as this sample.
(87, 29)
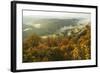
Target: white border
(38, 65)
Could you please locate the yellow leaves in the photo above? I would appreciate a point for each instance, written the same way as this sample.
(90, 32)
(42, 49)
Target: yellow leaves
(87, 56)
(75, 53)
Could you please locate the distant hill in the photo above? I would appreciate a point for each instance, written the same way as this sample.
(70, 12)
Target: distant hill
(48, 26)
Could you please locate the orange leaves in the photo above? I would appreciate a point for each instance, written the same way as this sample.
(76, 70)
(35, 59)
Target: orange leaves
(63, 47)
(42, 46)
(64, 41)
(74, 47)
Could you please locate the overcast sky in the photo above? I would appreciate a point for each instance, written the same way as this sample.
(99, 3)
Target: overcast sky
(57, 15)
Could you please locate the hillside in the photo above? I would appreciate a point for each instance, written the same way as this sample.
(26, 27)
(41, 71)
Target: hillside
(63, 44)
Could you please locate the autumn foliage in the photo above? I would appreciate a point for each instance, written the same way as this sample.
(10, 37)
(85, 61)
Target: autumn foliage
(74, 47)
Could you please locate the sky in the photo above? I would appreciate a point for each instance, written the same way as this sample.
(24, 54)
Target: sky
(57, 15)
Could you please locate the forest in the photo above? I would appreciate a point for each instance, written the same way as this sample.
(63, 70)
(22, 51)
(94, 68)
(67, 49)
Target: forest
(64, 47)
